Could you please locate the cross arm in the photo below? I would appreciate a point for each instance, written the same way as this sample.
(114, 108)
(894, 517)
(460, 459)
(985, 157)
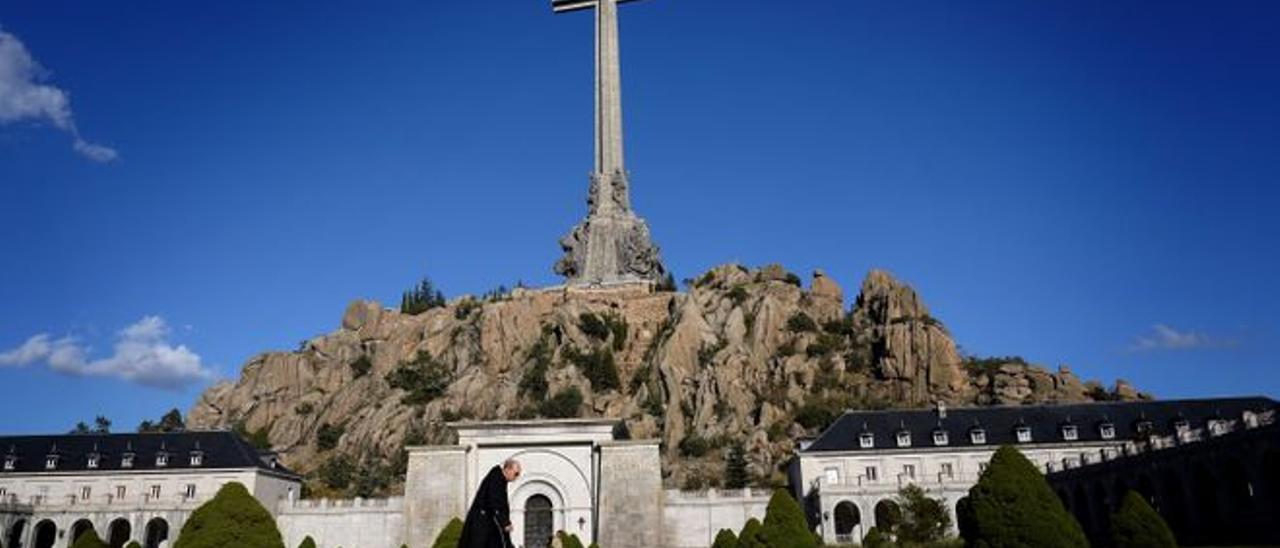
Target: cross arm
(563, 6)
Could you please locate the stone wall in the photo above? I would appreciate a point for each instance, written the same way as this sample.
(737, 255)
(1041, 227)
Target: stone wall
(630, 495)
(692, 518)
(358, 523)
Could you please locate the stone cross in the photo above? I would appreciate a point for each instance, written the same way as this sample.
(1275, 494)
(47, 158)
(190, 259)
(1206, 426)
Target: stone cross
(612, 244)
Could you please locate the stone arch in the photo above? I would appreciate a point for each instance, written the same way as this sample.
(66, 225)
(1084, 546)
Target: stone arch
(80, 527)
(544, 488)
(888, 515)
(847, 520)
(157, 533)
(13, 537)
(119, 532)
(46, 534)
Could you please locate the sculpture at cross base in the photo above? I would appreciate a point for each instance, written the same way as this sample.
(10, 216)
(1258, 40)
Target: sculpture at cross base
(612, 244)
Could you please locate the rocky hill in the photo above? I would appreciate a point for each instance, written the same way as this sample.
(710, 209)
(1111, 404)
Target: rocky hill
(744, 357)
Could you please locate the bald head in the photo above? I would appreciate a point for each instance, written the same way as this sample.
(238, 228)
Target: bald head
(511, 469)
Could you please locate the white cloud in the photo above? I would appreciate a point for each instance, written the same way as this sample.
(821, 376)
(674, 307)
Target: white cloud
(25, 97)
(142, 355)
(1164, 337)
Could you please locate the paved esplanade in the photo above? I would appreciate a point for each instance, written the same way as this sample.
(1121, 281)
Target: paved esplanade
(612, 244)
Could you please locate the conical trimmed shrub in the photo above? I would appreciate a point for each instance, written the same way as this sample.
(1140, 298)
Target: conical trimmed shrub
(307, 542)
(751, 537)
(449, 536)
(1013, 506)
(231, 518)
(133, 544)
(1135, 524)
(89, 539)
(784, 524)
(725, 539)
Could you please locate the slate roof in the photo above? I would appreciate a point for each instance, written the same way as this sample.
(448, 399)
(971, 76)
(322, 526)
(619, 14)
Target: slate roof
(217, 450)
(1000, 423)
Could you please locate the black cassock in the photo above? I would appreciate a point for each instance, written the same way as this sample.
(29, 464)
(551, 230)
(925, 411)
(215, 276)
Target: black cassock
(489, 515)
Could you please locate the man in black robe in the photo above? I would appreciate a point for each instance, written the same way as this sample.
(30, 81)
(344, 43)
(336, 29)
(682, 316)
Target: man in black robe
(489, 520)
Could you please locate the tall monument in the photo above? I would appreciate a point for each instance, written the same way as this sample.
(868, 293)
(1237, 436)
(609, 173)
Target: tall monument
(612, 244)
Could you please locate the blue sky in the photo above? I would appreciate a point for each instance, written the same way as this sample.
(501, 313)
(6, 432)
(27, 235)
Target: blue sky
(183, 186)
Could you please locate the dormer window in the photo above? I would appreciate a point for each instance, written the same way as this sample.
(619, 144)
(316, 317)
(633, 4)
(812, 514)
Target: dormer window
(1107, 431)
(162, 459)
(1181, 426)
(92, 460)
(1023, 433)
(904, 438)
(1143, 427)
(10, 462)
(126, 460)
(51, 462)
(1217, 427)
(978, 436)
(940, 437)
(1069, 432)
(867, 440)
(1250, 419)
(197, 458)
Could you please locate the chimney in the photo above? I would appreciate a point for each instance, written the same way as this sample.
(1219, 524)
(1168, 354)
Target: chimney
(942, 409)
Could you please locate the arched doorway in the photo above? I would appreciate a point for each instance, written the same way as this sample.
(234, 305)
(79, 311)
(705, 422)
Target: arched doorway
(157, 533)
(888, 516)
(14, 537)
(847, 521)
(46, 534)
(538, 523)
(120, 530)
(81, 527)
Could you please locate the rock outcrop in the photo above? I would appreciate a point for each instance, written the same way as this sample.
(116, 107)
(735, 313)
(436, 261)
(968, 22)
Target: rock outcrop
(744, 357)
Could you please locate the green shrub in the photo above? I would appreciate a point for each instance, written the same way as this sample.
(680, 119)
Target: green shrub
(568, 541)
(307, 542)
(1136, 525)
(801, 323)
(133, 544)
(534, 381)
(694, 445)
(784, 524)
(89, 539)
(738, 295)
(423, 379)
(360, 366)
(818, 413)
(466, 307)
(597, 366)
(750, 536)
(725, 539)
(793, 279)
(304, 408)
(328, 435)
(337, 472)
(448, 537)
(876, 539)
(924, 519)
(563, 405)
(231, 518)
(1012, 505)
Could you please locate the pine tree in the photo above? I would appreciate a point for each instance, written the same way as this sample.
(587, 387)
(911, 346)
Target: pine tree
(1012, 505)
(231, 518)
(448, 537)
(784, 524)
(735, 468)
(1137, 525)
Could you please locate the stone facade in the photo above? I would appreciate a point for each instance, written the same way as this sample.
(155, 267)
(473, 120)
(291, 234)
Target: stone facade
(631, 501)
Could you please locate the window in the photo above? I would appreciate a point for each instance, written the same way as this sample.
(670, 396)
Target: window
(939, 437)
(1070, 433)
(126, 461)
(832, 476)
(1023, 433)
(1107, 431)
(978, 436)
(162, 459)
(50, 462)
(155, 492)
(1181, 427)
(4, 492)
(871, 473)
(197, 458)
(10, 462)
(1217, 427)
(120, 492)
(904, 439)
(85, 492)
(92, 461)
(909, 470)
(867, 440)
(190, 491)
(947, 471)
(1250, 419)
